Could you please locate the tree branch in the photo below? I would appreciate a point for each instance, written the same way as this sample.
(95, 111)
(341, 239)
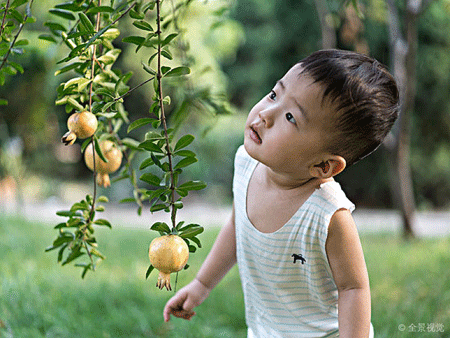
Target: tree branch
(163, 117)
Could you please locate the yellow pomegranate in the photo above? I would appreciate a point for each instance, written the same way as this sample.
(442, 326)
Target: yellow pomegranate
(168, 254)
(114, 156)
(81, 125)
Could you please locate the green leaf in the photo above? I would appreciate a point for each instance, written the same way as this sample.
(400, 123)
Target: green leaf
(149, 271)
(127, 200)
(167, 54)
(135, 14)
(103, 222)
(68, 68)
(67, 213)
(73, 6)
(193, 185)
(178, 71)
(191, 231)
(98, 150)
(76, 252)
(158, 207)
(96, 35)
(141, 24)
(150, 179)
(165, 69)
(183, 142)
(61, 252)
(3, 102)
(47, 37)
(185, 162)
(150, 146)
(80, 82)
(62, 13)
(103, 199)
(86, 22)
(184, 153)
(85, 144)
(61, 240)
(146, 163)
(131, 143)
(100, 9)
(137, 40)
(139, 123)
(22, 42)
(17, 3)
(161, 227)
(55, 26)
(169, 38)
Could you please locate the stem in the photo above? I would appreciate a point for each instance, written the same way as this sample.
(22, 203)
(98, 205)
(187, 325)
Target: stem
(4, 17)
(163, 117)
(15, 37)
(94, 50)
(134, 88)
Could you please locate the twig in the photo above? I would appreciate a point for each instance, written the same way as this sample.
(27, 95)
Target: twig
(94, 49)
(4, 17)
(163, 117)
(15, 37)
(132, 89)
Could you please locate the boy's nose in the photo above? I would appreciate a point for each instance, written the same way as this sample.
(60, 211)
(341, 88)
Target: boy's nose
(267, 117)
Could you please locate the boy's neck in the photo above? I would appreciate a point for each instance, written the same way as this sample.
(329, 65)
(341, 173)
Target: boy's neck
(287, 181)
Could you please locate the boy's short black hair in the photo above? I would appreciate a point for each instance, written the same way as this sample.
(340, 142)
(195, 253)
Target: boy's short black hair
(364, 94)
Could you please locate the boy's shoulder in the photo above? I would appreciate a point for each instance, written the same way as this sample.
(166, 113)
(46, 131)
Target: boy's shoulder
(331, 195)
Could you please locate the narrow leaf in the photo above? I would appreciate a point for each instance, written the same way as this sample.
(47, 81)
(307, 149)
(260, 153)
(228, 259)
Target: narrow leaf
(150, 179)
(86, 22)
(178, 71)
(141, 24)
(139, 123)
(103, 222)
(149, 271)
(193, 185)
(98, 150)
(62, 13)
(184, 142)
(185, 162)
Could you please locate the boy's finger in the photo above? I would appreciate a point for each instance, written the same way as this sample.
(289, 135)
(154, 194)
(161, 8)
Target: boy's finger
(183, 314)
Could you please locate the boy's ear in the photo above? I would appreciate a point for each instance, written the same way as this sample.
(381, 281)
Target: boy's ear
(330, 167)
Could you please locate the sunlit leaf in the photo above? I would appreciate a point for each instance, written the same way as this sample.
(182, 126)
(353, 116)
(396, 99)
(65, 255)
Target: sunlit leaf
(178, 71)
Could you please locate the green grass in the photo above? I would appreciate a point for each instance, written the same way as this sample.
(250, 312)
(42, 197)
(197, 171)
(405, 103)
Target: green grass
(410, 284)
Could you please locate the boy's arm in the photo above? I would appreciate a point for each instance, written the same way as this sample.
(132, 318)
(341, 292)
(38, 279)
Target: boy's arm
(219, 261)
(349, 270)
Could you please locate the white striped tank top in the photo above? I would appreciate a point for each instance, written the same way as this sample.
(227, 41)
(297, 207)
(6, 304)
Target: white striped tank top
(288, 287)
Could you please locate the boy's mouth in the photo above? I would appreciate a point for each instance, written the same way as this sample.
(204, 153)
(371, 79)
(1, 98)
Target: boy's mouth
(254, 135)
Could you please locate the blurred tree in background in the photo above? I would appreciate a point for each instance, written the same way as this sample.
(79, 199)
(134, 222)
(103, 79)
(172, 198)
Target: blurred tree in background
(244, 52)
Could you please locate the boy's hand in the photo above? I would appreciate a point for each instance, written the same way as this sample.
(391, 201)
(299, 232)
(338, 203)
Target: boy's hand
(185, 300)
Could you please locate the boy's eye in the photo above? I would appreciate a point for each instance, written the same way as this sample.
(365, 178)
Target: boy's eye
(272, 95)
(290, 118)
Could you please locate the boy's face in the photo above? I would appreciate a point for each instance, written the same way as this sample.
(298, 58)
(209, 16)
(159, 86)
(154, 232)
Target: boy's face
(286, 130)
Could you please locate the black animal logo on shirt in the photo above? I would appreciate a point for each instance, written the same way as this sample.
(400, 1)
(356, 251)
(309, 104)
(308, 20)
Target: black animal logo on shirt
(299, 257)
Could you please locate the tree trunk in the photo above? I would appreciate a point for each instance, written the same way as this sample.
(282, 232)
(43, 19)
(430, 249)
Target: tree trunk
(403, 63)
(328, 31)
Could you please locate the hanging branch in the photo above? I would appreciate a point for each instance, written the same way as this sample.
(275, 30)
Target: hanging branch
(163, 117)
(5, 58)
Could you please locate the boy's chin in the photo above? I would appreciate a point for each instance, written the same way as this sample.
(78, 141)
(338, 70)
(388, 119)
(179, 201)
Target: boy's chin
(251, 148)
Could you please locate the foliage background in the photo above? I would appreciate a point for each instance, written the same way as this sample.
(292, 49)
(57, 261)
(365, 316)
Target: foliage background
(246, 50)
(250, 46)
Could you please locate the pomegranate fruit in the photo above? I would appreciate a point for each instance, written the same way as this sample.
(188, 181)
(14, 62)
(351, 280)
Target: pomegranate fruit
(112, 153)
(81, 125)
(168, 254)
